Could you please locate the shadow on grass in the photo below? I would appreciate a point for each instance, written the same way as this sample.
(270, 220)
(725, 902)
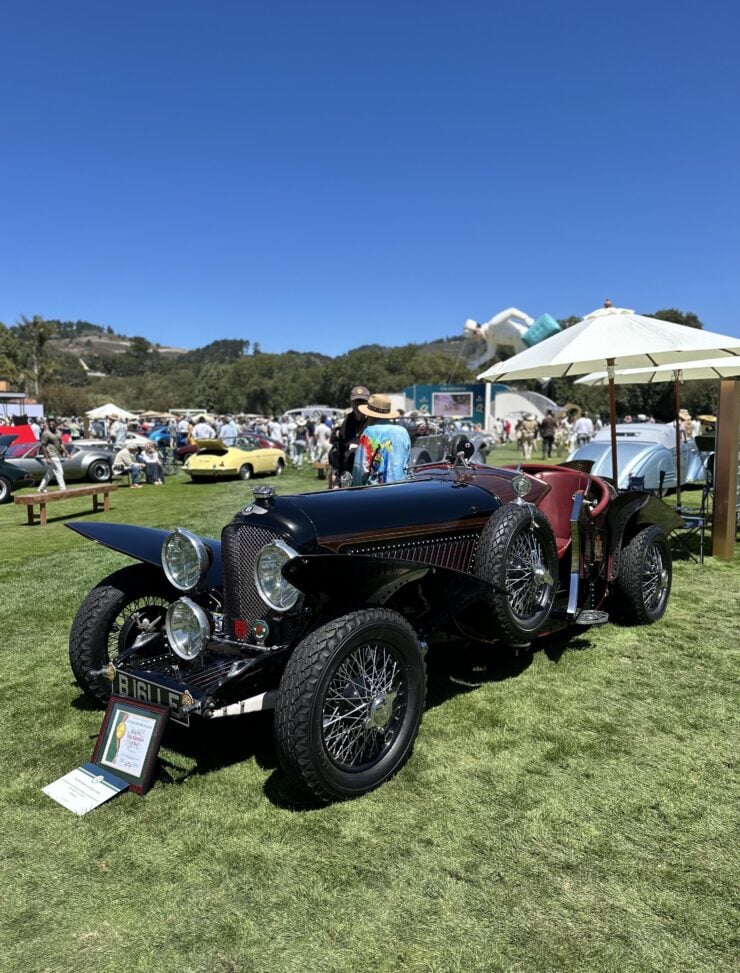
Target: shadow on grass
(454, 666)
(65, 516)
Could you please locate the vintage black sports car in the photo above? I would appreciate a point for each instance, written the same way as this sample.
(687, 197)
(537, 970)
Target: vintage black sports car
(320, 605)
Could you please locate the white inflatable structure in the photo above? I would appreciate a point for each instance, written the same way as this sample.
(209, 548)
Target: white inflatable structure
(503, 333)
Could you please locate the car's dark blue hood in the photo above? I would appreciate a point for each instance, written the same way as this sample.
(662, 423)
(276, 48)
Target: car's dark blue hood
(344, 514)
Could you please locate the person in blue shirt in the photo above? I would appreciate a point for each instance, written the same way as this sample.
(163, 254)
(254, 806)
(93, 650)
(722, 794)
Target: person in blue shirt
(383, 451)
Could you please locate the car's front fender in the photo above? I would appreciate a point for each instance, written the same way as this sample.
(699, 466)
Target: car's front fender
(428, 593)
(144, 544)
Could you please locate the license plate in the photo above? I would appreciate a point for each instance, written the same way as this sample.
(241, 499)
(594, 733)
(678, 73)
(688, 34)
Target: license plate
(149, 692)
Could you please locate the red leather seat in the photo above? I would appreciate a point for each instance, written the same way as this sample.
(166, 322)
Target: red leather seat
(558, 503)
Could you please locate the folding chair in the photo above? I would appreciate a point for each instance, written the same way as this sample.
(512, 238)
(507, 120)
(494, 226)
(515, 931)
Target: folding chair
(694, 525)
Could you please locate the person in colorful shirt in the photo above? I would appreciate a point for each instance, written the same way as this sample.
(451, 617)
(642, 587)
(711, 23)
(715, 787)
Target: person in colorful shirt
(383, 451)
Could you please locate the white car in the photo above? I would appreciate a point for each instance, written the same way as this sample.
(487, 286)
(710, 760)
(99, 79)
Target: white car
(134, 439)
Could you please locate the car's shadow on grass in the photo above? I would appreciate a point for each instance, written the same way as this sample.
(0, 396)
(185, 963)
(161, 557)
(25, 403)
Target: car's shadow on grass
(455, 665)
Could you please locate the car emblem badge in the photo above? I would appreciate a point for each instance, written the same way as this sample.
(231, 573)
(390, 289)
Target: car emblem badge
(240, 628)
(259, 631)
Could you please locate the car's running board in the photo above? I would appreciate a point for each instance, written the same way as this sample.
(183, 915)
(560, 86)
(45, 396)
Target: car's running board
(587, 616)
(591, 616)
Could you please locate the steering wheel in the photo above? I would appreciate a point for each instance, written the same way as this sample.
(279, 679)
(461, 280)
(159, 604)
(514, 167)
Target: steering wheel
(600, 507)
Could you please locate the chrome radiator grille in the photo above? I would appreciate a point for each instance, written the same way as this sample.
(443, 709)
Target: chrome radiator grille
(240, 545)
(452, 551)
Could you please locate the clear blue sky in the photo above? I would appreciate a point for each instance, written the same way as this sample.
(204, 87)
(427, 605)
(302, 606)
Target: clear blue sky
(323, 175)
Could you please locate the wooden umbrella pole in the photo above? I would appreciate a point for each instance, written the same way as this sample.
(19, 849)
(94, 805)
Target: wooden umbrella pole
(613, 419)
(677, 402)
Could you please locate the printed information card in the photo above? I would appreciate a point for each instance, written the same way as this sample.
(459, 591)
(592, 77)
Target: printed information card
(85, 788)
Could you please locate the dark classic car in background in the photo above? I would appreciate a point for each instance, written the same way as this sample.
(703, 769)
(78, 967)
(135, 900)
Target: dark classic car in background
(646, 450)
(320, 605)
(11, 476)
(85, 463)
(437, 447)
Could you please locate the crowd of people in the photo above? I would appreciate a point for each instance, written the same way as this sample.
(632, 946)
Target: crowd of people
(370, 444)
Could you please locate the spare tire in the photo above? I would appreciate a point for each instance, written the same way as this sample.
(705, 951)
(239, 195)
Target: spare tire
(518, 557)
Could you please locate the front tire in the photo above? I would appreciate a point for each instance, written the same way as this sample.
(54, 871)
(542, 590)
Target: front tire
(245, 472)
(350, 703)
(99, 471)
(517, 556)
(124, 607)
(645, 575)
(5, 490)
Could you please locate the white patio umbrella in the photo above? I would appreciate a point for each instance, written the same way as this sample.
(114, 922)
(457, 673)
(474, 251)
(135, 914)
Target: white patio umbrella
(690, 372)
(613, 336)
(110, 409)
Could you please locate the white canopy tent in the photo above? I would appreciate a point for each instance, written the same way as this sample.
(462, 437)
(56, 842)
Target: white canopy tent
(108, 410)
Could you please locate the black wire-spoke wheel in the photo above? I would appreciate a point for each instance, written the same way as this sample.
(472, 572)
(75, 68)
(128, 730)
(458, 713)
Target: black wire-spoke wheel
(528, 580)
(645, 576)
(124, 612)
(517, 556)
(364, 706)
(136, 624)
(350, 703)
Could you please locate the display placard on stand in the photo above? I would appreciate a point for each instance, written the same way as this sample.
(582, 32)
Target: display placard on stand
(129, 741)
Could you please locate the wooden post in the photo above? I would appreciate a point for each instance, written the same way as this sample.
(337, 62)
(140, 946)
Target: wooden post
(679, 436)
(725, 469)
(42, 514)
(106, 501)
(613, 420)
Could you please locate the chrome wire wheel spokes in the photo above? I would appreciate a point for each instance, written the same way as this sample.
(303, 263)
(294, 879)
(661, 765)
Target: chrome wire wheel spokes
(138, 622)
(528, 580)
(364, 706)
(655, 578)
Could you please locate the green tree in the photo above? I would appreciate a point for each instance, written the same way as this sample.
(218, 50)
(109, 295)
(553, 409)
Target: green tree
(33, 336)
(10, 354)
(687, 318)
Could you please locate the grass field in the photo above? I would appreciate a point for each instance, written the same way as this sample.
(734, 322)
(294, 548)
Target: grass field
(570, 809)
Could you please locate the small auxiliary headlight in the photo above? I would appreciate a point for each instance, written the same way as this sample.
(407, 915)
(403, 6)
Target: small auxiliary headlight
(520, 485)
(273, 589)
(185, 559)
(187, 628)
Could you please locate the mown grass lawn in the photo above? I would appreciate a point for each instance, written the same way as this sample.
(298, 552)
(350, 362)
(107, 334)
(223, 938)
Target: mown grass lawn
(574, 808)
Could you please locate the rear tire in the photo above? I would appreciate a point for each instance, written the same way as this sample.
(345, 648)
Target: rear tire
(6, 490)
(350, 703)
(110, 619)
(279, 468)
(645, 576)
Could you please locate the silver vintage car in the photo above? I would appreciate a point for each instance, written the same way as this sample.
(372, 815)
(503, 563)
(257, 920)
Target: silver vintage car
(84, 463)
(644, 450)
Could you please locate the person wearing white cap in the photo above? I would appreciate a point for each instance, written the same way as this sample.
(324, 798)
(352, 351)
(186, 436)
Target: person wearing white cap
(383, 451)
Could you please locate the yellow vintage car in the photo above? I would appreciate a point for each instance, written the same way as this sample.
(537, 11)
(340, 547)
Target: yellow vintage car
(215, 459)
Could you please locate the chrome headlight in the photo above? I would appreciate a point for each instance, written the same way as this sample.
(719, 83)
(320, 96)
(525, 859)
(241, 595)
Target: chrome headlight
(185, 559)
(187, 628)
(273, 589)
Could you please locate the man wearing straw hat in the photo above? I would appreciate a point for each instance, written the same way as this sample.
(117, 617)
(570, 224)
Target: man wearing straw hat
(384, 447)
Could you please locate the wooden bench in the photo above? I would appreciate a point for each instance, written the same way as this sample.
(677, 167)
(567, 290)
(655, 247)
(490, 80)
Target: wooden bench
(31, 499)
(321, 469)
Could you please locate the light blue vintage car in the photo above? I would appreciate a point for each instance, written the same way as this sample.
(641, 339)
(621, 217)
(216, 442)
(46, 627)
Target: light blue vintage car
(646, 450)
